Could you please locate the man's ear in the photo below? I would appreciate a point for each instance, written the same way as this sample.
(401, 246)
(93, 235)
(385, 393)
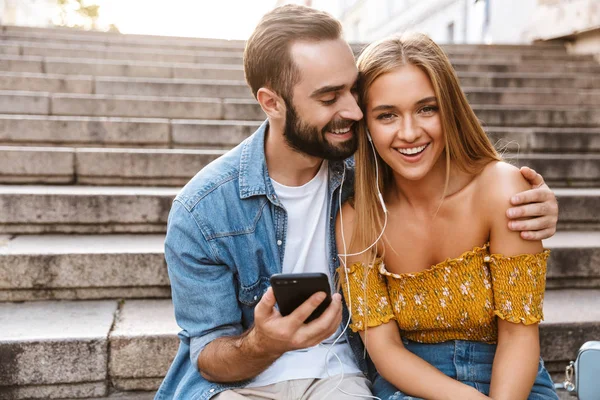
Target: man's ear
(271, 103)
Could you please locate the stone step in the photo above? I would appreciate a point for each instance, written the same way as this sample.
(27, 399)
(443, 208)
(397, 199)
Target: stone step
(80, 84)
(104, 166)
(504, 66)
(485, 88)
(574, 260)
(44, 103)
(141, 338)
(102, 338)
(172, 87)
(154, 107)
(48, 267)
(84, 209)
(102, 67)
(122, 68)
(137, 38)
(529, 80)
(27, 47)
(41, 343)
(89, 209)
(23, 102)
(35, 130)
(110, 39)
(527, 57)
(493, 48)
(70, 267)
(533, 96)
(43, 130)
(115, 37)
(546, 140)
(572, 317)
(27, 81)
(538, 116)
(174, 167)
(118, 53)
(135, 43)
(516, 53)
(135, 395)
(562, 170)
(578, 208)
(493, 92)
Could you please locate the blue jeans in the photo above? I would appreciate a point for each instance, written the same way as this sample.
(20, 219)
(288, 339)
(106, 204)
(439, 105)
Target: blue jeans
(468, 362)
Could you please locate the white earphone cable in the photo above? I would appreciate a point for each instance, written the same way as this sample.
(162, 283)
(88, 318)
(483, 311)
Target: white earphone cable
(342, 258)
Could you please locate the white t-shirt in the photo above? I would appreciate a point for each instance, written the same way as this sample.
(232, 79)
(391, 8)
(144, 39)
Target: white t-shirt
(306, 250)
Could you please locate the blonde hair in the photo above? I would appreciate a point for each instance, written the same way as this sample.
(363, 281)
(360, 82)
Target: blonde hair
(267, 59)
(466, 145)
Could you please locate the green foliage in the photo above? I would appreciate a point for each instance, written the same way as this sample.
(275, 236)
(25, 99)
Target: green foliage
(89, 13)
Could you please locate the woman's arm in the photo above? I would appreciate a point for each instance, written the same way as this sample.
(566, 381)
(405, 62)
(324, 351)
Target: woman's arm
(517, 355)
(409, 373)
(516, 361)
(400, 367)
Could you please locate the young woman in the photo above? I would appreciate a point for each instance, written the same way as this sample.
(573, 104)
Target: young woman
(449, 300)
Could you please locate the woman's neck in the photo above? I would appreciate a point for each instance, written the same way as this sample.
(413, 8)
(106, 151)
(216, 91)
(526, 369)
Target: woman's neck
(427, 193)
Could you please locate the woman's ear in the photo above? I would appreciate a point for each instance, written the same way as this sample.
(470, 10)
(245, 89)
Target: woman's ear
(271, 103)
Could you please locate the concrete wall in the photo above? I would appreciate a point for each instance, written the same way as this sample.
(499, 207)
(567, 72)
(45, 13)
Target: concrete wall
(446, 21)
(577, 21)
(563, 18)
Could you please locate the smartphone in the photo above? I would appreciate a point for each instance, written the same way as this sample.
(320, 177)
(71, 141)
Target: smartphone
(291, 290)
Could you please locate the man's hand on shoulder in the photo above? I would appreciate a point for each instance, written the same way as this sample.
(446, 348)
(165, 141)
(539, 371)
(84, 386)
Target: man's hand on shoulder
(534, 211)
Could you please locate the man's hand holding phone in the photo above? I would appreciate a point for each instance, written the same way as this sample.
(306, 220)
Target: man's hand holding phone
(276, 334)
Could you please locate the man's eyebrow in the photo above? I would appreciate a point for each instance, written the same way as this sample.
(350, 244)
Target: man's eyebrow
(326, 89)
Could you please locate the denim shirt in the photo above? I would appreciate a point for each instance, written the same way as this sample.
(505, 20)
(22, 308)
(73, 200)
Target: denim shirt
(226, 236)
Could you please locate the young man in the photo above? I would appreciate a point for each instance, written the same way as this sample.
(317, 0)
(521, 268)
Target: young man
(269, 206)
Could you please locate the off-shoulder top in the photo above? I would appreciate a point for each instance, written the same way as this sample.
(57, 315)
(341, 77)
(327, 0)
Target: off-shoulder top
(457, 299)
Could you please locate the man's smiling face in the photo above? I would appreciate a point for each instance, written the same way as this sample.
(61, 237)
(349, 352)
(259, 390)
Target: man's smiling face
(323, 108)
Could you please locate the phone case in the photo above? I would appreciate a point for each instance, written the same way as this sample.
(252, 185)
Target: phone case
(291, 290)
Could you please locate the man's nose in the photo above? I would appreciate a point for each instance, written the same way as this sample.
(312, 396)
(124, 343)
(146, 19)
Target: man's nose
(351, 110)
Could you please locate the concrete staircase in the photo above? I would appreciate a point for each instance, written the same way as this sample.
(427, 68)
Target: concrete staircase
(97, 133)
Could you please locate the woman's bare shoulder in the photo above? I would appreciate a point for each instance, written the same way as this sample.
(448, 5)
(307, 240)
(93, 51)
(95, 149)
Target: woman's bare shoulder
(499, 181)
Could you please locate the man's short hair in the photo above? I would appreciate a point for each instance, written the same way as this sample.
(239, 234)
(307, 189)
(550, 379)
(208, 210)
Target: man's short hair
(267, 59)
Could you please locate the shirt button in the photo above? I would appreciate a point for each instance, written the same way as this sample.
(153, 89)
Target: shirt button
(212, 390)
(255, 297)
(279, 243)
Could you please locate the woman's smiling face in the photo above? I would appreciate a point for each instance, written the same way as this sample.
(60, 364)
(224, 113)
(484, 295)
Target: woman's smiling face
(402, 115)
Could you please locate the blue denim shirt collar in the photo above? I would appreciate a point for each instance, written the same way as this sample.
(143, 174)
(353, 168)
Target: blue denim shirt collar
(254, 176)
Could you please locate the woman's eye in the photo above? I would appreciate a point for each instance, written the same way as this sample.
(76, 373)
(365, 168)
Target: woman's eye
(428, 109)
(385, 117)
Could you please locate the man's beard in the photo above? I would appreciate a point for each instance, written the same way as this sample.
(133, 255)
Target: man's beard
(307, 139)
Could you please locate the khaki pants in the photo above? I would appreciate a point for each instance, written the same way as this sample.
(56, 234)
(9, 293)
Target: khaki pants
(304, 389)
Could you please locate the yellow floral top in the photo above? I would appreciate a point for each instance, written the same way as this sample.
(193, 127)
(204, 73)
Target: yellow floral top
(457, 299)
